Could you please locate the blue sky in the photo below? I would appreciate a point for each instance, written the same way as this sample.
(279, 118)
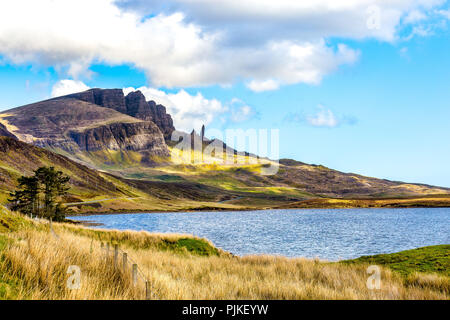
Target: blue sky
(374, 102)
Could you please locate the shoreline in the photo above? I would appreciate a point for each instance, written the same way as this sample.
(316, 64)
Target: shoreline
(341, 260)
(163, 253)
(246, 209)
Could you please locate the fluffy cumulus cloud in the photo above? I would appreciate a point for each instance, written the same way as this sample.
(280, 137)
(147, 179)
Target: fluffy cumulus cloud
(259, 20)
(188, 111)
(182, 43)
(67, 86)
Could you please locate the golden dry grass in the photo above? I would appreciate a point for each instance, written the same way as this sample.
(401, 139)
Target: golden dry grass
(38, 260)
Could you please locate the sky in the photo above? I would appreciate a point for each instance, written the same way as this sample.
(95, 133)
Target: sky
(358, 86)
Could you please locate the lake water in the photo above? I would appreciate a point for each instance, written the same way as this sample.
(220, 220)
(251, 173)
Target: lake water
(330, 234)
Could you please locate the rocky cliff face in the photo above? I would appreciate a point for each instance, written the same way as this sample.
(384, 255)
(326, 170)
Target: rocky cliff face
(149, 111)
(108, 98)
(140, 136)
(5, 133)
(134, 104)
(161, 118)
(76, 127)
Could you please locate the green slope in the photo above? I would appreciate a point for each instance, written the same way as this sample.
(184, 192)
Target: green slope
(432, 259)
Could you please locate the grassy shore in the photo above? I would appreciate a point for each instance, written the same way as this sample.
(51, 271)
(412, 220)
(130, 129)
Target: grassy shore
(34, 260)
(433, 259)
(434, 201)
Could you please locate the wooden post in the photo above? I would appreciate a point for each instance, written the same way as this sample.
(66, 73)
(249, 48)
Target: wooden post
(147, 290)
(116, 255)
(107, 251)
(134, 274)
(125, 260)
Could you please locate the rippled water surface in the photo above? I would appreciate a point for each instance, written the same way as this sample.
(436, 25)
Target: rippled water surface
(327, 234)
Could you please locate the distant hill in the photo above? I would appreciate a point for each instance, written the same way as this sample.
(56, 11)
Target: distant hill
(18, 158)
(91, 190)
(128, 137)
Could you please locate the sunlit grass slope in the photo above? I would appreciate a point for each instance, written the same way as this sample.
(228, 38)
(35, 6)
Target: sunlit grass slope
(433, 259)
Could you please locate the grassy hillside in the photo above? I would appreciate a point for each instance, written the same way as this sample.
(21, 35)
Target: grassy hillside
(95, 191)
(433, 259)
(436, 201)
(173, 188)
(18, 158)
(103, 135)
(34, 262)
(294, 180)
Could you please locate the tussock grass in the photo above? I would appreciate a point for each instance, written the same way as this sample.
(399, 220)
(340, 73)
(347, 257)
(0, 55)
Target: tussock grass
(145, 240)
(40, 261)
(37, 260)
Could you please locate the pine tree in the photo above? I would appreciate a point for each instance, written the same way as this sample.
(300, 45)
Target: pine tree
(26, 199)
(46, 180)
(53, 184)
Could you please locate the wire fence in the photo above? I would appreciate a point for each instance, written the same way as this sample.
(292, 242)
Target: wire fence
(128, 264)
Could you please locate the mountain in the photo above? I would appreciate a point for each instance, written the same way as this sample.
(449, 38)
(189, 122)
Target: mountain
(127, 138)
(134, 104)
(89, 127)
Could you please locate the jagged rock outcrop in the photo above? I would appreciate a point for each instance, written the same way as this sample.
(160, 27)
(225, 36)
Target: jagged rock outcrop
(134, 104)
(161, 118)
(139, 108)
(5, 133)
(75, 127)
(108, 98)
(139, 136)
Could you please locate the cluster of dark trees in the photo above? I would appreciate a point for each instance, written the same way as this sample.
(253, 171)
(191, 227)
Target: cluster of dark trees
(40, 194)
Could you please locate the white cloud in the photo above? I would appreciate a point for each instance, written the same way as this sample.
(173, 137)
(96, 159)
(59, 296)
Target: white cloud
(264, 85)
(64, 87)
(414, 17)
(242, 114)
(188, 111)
(444, 13)
(323, 118)
(260, 20)
(264, 43)
(239, 111)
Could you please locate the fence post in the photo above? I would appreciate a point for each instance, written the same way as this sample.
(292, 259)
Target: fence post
(134, 274)
(147, 290)
(125, 260)
(107, 251)
(116, 254)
